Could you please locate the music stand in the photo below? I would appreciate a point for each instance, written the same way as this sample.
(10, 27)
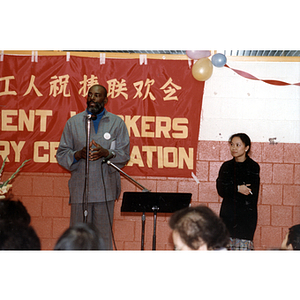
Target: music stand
(156, 203)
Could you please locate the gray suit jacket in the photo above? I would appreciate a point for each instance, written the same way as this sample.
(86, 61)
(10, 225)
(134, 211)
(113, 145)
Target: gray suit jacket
(113, 135)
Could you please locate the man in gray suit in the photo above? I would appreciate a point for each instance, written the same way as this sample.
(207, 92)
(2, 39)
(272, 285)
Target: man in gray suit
(108, 138)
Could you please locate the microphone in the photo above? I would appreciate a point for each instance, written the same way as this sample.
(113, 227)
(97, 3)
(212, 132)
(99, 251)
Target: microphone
(107, 158)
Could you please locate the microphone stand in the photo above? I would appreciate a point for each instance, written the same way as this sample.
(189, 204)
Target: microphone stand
(127, 176)
(86, 194)
(143, 216)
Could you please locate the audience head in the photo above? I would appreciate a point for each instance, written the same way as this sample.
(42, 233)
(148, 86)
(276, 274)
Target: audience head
(18, 236)
(81, 236)
(14, 211)
(292, 239)
(198, 228)
(15, 232)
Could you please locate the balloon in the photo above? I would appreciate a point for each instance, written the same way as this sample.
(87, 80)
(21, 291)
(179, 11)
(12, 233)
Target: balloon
(218, 60)
(202, 69)
(197, 54)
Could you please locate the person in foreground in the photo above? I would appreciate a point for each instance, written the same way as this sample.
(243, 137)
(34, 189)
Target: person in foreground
(292, 239)
(18, 236)
(108, 138)
(12, 211)
(81, 236)
(238, 184)
(198, 228)
(15, 230)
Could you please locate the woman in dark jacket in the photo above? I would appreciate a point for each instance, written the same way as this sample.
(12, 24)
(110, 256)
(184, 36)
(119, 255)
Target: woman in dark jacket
(238, 184)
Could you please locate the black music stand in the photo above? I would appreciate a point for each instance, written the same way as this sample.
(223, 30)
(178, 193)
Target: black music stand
(156, 203)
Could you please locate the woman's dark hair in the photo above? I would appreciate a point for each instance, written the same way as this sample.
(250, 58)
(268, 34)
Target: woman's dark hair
(245, 139)
(15, 235)
(200, 225)
(294, 237)
(14, 211)
(81, 236)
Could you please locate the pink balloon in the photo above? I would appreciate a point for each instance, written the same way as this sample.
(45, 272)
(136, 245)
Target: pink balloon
(197, 54)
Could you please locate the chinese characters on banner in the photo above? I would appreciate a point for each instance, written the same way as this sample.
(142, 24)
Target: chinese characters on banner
(160, 103)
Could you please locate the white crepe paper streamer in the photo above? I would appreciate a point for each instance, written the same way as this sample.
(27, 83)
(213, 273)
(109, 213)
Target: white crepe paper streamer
(34, 56)
(102, 58)
(195, 178)
(143, 59)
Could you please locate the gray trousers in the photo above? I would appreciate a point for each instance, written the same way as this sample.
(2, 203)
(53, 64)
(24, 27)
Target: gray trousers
(98, 216)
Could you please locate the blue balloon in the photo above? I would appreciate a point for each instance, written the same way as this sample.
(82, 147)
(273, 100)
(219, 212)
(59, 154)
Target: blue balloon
(219, 60)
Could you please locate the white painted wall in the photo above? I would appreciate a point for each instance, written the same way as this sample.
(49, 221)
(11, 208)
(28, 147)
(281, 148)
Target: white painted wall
(232, 103)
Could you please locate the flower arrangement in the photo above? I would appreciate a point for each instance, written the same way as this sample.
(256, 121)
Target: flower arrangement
(5, 186)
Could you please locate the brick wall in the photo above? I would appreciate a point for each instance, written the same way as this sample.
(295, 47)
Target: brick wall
(46, 197)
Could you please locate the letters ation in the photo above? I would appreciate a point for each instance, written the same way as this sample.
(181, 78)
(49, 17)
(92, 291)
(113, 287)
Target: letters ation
(167, 157)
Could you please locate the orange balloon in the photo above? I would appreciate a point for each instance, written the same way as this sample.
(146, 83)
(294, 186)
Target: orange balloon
(202, 69)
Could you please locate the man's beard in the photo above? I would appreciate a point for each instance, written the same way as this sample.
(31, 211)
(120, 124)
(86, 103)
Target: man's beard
(96, 109)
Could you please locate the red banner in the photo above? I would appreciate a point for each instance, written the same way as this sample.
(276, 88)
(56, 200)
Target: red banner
(159, 101)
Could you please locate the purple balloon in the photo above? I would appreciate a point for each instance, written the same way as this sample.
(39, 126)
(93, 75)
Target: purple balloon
(197, 54)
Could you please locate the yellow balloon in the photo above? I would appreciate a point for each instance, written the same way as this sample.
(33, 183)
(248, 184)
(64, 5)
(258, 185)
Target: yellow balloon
(202, 69)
